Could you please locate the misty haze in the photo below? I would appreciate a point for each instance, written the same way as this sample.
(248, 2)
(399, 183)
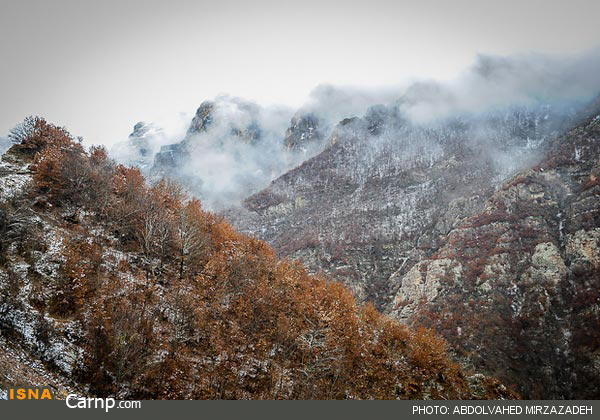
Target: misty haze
(247, 200)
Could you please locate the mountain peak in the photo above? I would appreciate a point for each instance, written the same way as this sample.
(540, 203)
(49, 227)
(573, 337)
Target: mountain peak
(304, 129)
(203, 118)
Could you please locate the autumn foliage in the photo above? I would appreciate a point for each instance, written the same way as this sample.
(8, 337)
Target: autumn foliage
(172, 302)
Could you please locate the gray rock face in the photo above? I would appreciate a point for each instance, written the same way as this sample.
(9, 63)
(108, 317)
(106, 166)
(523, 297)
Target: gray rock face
(203, 118)
(173, 156)
(514, 288)
(211, 119)
(384, 192)
(303, 132)
(170, 157)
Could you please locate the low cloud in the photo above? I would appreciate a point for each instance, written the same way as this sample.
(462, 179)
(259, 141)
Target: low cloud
(496, 82)
(243, 148)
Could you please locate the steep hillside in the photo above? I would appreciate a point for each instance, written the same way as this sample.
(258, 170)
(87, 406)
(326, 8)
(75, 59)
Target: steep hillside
(135, 291)
(386, 191)
(19, 368)
(516, 286)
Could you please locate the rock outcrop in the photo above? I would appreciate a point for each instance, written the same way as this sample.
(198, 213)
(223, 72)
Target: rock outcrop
(224, 119)
(303, 132)
(515, 287)
(203, 118)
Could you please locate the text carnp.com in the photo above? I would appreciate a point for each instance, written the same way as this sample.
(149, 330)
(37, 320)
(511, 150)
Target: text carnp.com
(477, 409)
(73, 401)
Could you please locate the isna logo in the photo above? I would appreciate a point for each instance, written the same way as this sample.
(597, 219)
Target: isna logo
(30, 393)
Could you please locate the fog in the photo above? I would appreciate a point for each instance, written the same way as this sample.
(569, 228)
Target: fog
(496, 82)
(243, 148)
(4, 145)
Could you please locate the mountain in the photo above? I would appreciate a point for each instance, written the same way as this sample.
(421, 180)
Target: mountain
(484, 227)
(233, 148)
(385, 190)
(132, 290)
(405, 211)
(141, 146)
(304, 132)
(516, 286)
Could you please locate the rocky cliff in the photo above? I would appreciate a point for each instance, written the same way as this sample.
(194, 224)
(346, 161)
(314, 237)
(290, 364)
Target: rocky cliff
(304, 131)
(516, 286)
(385, 191)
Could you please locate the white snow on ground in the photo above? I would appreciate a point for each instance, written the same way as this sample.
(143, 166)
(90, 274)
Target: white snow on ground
(13, 179)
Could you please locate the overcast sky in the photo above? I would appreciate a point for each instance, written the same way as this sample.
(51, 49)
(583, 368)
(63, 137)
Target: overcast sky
(98, 67)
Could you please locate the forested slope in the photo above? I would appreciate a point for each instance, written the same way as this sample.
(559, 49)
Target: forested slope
(134, 290)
